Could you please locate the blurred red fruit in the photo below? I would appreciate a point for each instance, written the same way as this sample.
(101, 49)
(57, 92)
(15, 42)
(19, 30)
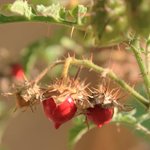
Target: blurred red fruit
(60, 113)
(17, 71)
(99, 115)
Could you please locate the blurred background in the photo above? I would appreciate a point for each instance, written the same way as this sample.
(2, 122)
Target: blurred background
(26, 130)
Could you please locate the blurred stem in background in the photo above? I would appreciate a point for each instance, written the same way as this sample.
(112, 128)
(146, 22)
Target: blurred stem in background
(4, 115)
(143, 65)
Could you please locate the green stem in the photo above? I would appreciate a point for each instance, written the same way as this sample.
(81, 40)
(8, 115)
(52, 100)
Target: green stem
(142, 69)
(46, 19)
(113, 76)
(147, 56)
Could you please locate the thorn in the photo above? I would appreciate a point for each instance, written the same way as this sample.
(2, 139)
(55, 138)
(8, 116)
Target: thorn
(7, 94)
(77, 73)
(104, 73)
(85, 35)
(90, 69)
(14, 109)
(87, 122)
(64, 57)
(91, 57)
(83, 57)
(72, 30)
(118, 47)
(31, 107)
(125, 108)
(108, 86)
(116, 93)
(68, 55)
(13, 86)
(25, 78)
(121, 97)
(113, 90)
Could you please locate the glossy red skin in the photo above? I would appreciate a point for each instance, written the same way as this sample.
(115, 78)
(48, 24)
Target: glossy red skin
(17, 71)
(60, 113)
(99, 115)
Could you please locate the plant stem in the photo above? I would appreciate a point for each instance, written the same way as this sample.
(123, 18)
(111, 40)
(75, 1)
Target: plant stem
(142, 69)
(44, 72)
(110, 74)
(46, 19)
(147, 56)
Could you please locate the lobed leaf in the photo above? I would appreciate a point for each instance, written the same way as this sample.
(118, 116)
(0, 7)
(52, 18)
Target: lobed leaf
(52, 10)
(22, 8)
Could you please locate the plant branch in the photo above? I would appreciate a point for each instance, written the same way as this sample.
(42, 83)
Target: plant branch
(46, 19)
(113, 76)
(147, 56)
(44, 72)
(142, 69)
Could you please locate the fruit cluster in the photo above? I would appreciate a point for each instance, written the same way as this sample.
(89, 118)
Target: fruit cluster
(67, 98)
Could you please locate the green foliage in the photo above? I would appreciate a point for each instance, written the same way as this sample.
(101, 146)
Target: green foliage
(79, 12)
(137, 123)
(109, 22)
(53, 10)
(54, 13)
(21, 8)
(138, 14)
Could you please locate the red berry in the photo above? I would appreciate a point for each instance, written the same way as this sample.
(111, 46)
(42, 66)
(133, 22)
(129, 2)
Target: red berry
(60, 113)
(17, 71)
(99, 115)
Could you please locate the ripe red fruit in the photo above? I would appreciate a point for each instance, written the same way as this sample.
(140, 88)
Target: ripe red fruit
(99, 115)
(60, 113)
(17, 71)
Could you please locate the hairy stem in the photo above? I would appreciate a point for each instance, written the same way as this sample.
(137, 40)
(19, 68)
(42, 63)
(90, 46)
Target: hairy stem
(46, 19)
(143, 69)
(90, 65)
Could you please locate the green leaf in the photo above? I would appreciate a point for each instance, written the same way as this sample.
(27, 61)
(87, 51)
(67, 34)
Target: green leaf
(20, 11)
(137, 120)
(22, 8)
(79, 13)
(52, 10)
